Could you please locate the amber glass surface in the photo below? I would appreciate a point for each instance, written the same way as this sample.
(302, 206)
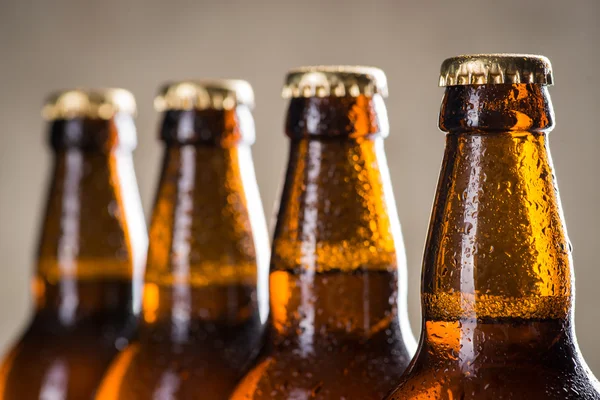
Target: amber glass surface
(201, 323)
(338, 326)
(497, 290)
(93, 243)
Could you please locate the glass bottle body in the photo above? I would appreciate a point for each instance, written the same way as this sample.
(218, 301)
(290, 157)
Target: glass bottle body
(90, 260)
(497, 289)
(338, 326)
(201, 320)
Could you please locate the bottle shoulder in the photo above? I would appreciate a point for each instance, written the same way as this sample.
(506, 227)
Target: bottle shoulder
(155, 366)
(526, 360)
(332, 368)
(507, 382)
(55, 366)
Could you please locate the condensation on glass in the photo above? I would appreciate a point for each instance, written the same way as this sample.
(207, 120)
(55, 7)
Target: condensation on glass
(338, 327)
(91, 252)
(205, 291)
(497, 285)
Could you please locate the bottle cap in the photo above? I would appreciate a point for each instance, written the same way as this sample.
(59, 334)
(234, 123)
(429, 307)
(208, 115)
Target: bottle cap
(483, 69)
(218, 94)
(90, 103)
(336, 81)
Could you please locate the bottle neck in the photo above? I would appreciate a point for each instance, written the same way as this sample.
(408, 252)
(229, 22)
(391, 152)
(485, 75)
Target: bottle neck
(342, 117)
(209, 245)
(93, 234)
(497, 249)
(496, 108)
(209, 127)
(337, 248)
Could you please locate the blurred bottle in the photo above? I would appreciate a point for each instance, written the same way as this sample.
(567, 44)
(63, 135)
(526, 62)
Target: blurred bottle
(497, 292)
(338, 326)
(209, 246)
(93, 242)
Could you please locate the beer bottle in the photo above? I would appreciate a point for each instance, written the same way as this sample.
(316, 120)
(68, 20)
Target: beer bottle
(338, 327)
(201, 321)
(497, 288)
(93, 242)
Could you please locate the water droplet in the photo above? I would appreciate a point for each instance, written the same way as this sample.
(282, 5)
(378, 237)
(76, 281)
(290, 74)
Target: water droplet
(468, 227)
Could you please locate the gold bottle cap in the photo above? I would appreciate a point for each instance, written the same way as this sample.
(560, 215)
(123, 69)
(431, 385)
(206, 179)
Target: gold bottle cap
(218, 94)
(335, 80)
(90, 103)
(481, 69)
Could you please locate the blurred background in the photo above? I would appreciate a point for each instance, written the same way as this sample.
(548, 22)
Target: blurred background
(138, 44)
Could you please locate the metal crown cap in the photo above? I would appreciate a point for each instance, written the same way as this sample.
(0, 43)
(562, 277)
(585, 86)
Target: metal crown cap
(481, 69)
(218, 94)
(335, 80)
(90, 103)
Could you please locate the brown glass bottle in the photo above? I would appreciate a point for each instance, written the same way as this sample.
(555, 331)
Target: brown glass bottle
(497, 291)
(93, 242)
(338, 326)
(201, 323)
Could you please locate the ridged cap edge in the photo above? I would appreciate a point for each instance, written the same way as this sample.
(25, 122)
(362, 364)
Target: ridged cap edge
(337, 81)
(481, 69)
(90, 103)
(219, 94)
